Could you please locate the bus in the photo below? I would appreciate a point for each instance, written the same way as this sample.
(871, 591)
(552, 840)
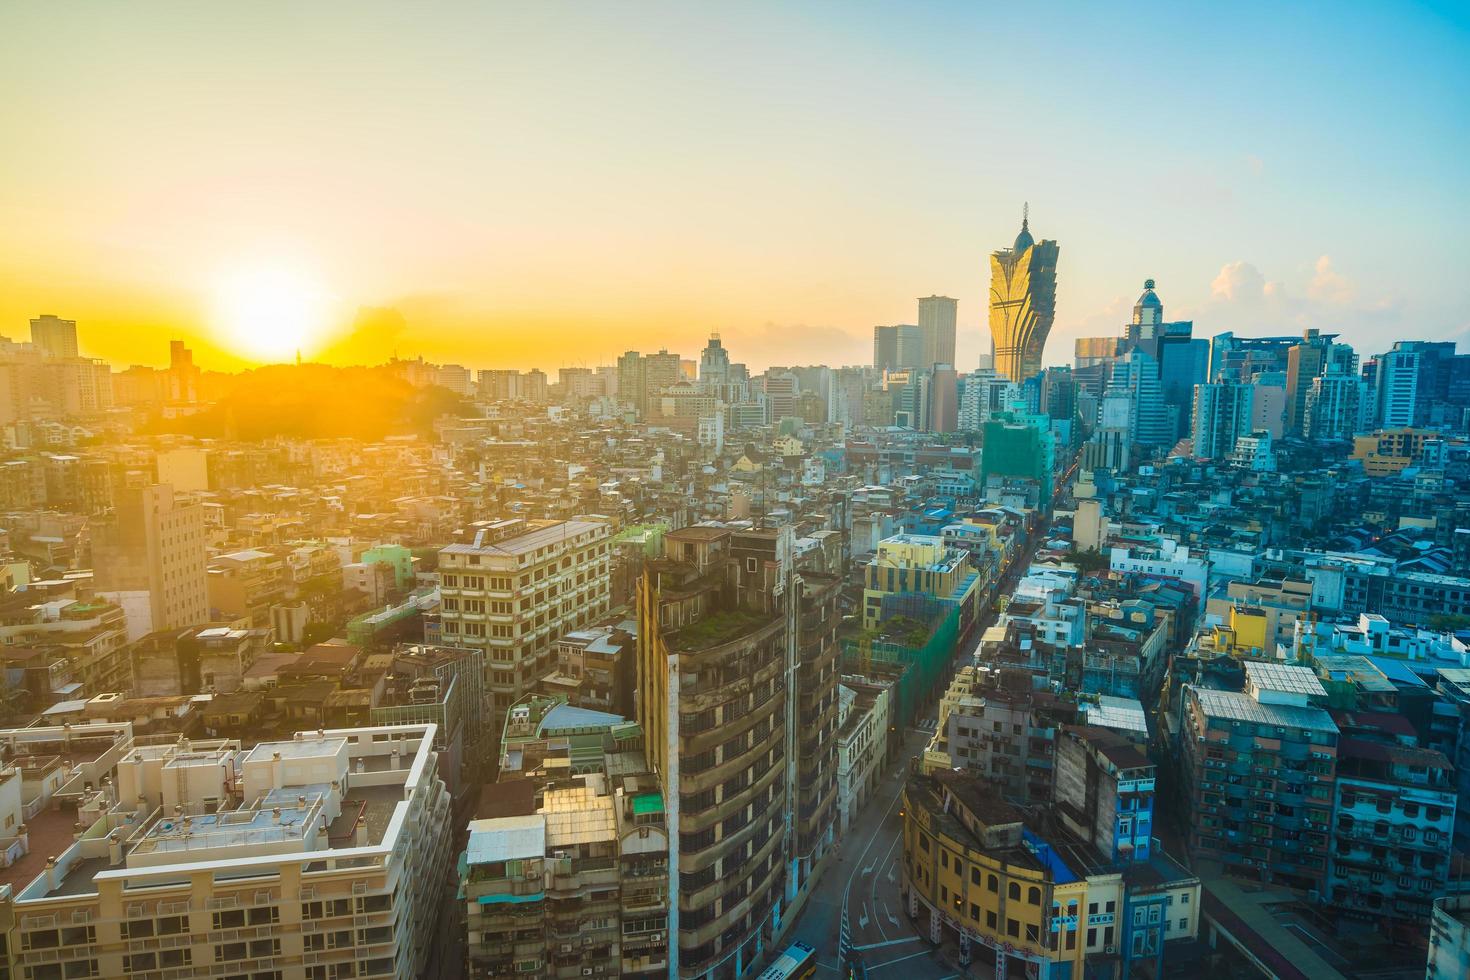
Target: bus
(795, 962)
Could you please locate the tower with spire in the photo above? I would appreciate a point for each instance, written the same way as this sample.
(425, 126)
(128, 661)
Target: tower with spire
(1023, 289)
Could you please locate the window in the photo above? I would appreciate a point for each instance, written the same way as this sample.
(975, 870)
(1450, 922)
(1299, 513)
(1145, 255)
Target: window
(1091, 937)
(974, 912)
(1013, 928)
(974, 876)
(1013, 891)
(1184, 898)
(1033, 895)
(992, 883)
(990, 920)
(1183, 924)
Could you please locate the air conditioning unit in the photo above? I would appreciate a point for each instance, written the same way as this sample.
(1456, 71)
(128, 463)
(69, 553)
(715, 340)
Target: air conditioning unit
(586, 971)
(656, 937)
(566, 947)
(1110, 950)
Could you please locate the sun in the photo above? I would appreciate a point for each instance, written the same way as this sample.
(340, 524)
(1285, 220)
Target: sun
(269, 314)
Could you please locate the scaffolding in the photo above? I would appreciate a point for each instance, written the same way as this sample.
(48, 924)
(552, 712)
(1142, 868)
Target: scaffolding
(921, 666)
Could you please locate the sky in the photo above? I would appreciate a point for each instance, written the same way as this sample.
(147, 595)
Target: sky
(548, 185)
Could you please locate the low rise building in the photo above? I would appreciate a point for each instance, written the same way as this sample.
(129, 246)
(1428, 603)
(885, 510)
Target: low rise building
(862, 745)
(314, 857)
(1013, 888)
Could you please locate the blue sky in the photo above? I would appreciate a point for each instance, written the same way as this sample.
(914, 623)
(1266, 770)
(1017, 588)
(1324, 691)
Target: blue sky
(637, 175)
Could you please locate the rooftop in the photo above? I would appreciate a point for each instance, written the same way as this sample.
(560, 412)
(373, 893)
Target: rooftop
(1237, 706)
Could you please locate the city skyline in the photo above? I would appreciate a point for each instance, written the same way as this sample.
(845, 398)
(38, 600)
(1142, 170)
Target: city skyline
(242, 157)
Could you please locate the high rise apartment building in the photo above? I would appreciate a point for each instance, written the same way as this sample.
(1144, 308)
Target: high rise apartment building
(1023, 289)
(1305, 360)
(1222, 414)
(54, 336)
(154, 542)
(737, 700)
(514, 589)
(1258, 776)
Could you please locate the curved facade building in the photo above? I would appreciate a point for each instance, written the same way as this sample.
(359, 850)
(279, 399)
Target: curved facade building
(1023, 293)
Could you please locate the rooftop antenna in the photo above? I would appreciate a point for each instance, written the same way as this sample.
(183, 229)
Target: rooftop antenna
(1025, 213)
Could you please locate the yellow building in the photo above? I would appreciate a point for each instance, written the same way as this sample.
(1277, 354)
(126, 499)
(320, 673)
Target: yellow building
(921, 565)
(973, 867)
(1023, 291)
(1280, 602)
(1388, 451)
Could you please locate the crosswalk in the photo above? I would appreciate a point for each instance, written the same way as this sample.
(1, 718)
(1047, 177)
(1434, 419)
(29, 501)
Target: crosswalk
(930, 725)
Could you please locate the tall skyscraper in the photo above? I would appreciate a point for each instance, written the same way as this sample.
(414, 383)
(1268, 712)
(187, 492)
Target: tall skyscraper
(1135, 377)
(1304, 361)
(54, 336)
(1223, 412)
(714, 364)
(1023, 294)
(898, 348)
(937, 316)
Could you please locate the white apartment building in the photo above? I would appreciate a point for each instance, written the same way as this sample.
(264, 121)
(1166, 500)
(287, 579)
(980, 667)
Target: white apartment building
(517, 587)
(862, 745)
(310, 859)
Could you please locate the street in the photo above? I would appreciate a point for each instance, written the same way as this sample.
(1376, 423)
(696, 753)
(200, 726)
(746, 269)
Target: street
(865, 879)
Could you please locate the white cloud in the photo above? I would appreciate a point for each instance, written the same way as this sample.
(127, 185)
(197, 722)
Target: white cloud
(1328, 285)
(1239, 282)
(1244, 300)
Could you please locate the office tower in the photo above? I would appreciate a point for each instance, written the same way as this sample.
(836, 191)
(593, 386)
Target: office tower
(1305, 360)
(1397, 395)
(319, 855)
(937, 316)
(1242, 358)
(1223, 412)
(885, 348)
(1335, 403)
(1059, 393)
(1442, 389)
(943, 395)
(1135, 377)
(1183, 361)
(1023, 291)
(1089, 351)
(737, 703)
(714, 364)
(54, 336)
(515, 588)
(898, 348)
(154, 543)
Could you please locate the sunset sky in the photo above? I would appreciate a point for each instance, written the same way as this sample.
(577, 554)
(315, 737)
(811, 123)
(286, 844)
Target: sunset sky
(550, 184)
